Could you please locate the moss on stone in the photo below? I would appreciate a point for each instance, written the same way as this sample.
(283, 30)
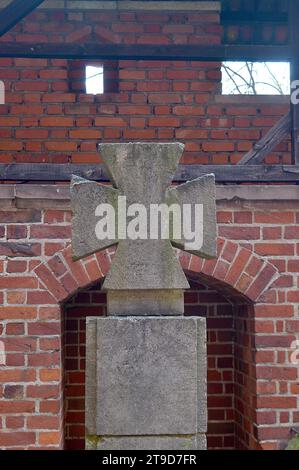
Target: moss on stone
(293, 444)
(92, 442)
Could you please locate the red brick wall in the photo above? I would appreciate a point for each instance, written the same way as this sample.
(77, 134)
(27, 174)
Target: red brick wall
(245, 378)
(204, 300)
(91, 302)
(43, 121)
(199, 301)
(253, 388)
(264, 401)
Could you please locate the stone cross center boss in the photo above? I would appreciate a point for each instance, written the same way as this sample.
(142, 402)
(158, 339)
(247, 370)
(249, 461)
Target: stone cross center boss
(143, 172)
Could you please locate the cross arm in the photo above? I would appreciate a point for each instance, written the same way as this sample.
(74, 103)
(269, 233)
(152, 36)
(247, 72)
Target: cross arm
(200, 192)
(86, 198)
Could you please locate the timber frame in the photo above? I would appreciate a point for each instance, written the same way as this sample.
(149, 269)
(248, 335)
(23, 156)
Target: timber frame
(217, 53)
(26, 172)
(249, 169)
(15, 12)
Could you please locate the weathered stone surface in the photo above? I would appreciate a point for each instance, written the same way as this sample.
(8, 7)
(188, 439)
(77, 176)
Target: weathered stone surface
(145, 302)
(43, 196)
(146, 374)
(91, 375)
(293, 443)
(224, 194)
(140, 264)
(141, 173)
(147, 443)
(85, 197)
(199, 191)
(151, 377)
(202, 366)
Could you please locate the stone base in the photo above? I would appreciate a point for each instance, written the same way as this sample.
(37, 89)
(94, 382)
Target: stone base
(146, 383)
(147, 443)
(151, 302)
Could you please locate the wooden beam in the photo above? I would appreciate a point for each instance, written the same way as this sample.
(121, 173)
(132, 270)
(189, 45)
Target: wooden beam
(146, 52)
(295, 121)
(237, 17)
(14, 12)
(294, 40)
(264, 146)
(224, 173)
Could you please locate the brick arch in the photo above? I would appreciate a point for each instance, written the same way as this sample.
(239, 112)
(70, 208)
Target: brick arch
(62, 276)
(236, 268)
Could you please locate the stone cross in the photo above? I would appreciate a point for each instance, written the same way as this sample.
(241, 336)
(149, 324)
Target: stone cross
(145, 364)
(145, 275)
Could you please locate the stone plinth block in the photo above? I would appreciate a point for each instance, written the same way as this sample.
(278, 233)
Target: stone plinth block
(194, 442)
(145, 302)
(146, 382)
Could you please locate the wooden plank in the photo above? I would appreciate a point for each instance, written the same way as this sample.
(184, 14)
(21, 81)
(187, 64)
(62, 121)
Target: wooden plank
(264, 146)
(294, 40)
(237, 17)
(146, 52)
(50, 172)
(295, 126)
(295, 132)
(224, 173)
(14, 12)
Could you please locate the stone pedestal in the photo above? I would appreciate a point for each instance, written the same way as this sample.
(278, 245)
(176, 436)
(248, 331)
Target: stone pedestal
(146, 383)
(146, 363)
(142, 302)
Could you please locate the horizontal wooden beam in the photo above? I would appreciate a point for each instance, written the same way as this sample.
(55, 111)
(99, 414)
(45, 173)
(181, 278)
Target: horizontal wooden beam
(146, 52)
(14, 12)
(224, 173)
(237, 17)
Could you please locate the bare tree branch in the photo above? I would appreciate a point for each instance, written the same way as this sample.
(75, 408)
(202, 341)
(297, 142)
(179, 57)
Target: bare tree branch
(232, 73)
(279, 87)
(246, 79)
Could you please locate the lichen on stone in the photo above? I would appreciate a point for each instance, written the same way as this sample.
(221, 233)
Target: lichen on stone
(293, 443)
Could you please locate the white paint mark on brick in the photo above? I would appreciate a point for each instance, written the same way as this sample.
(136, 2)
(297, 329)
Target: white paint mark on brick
(2, 354)
(2, 92)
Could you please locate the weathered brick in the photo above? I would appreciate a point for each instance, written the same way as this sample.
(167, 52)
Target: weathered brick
(17, 439)
(50, 232)
(274, 249)
(20, 249)
(239, 233)
(20, 216)
(43, 422)
(55, 287)
(238, 266)
(19, 312)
